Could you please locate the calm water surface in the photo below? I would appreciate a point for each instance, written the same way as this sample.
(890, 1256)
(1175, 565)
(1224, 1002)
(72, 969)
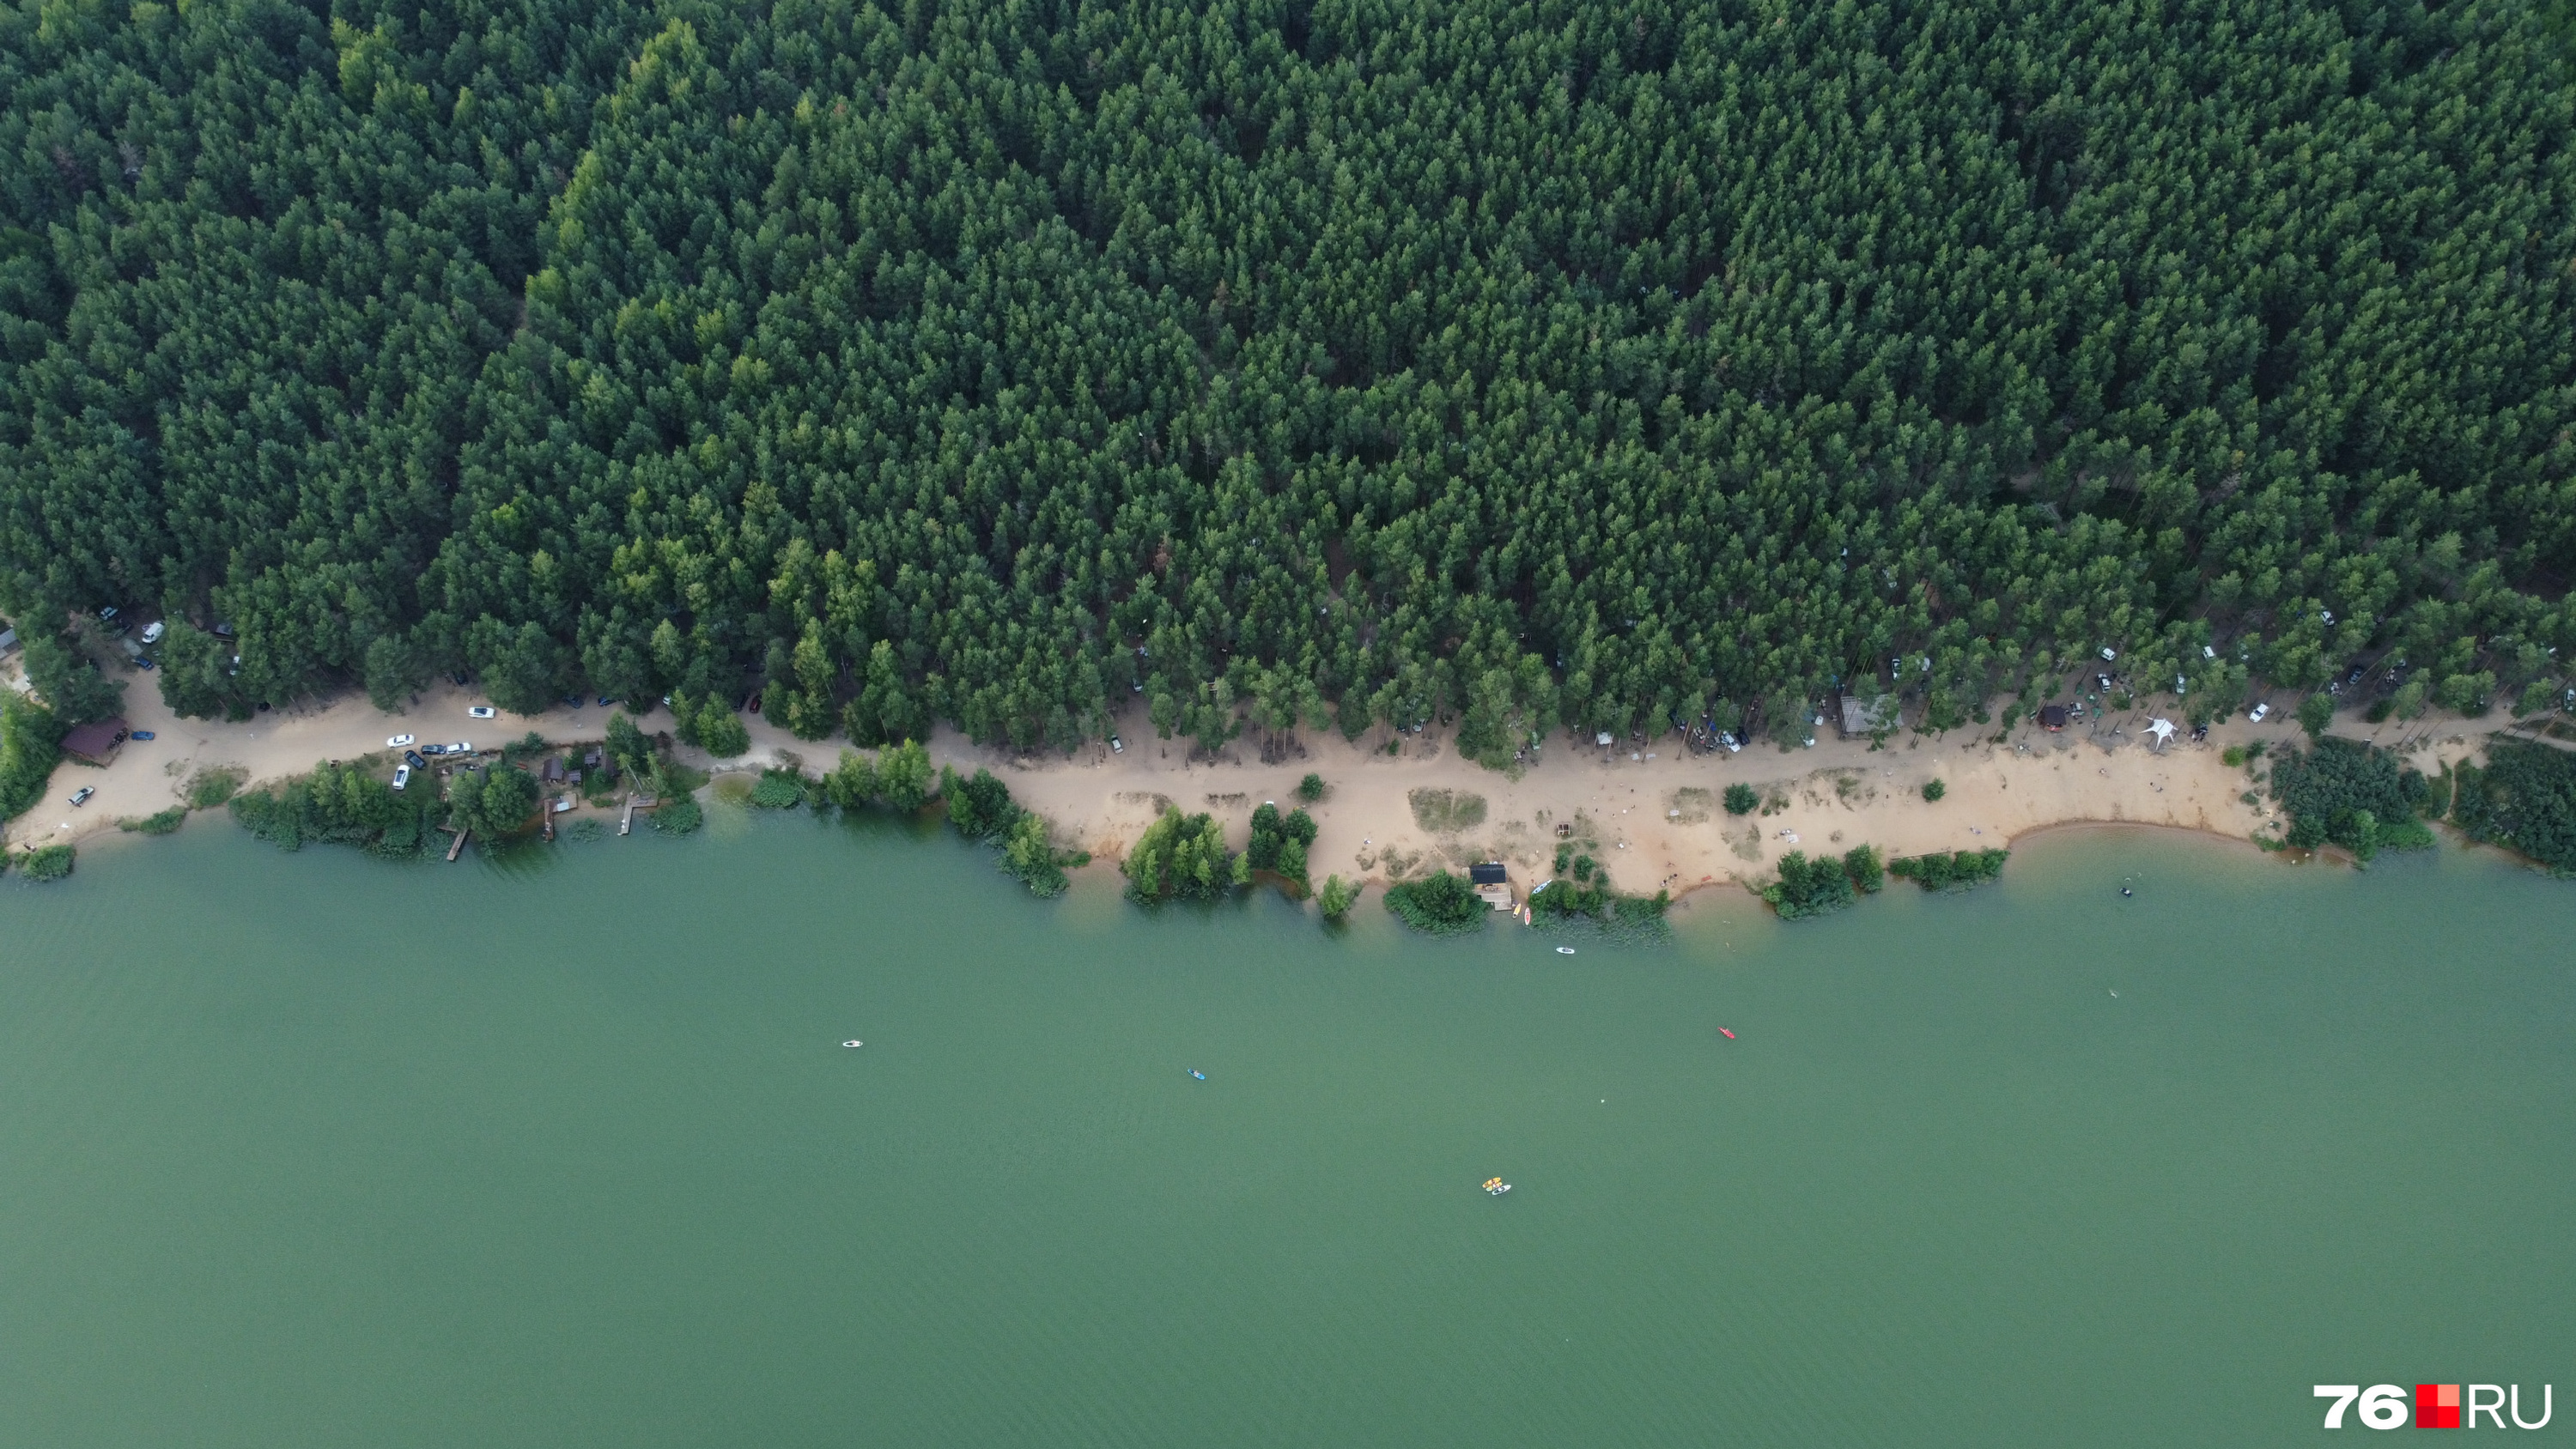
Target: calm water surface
(564, 1150)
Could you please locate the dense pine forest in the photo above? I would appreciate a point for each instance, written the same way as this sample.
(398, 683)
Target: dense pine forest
(1592, 363)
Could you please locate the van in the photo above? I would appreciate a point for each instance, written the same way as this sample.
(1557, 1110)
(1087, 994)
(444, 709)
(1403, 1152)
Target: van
(153, 631)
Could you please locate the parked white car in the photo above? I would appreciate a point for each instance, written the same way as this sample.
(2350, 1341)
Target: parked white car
(402, 776)
(2257, 712)
(460, 748)
(399, 742)
(480, 711)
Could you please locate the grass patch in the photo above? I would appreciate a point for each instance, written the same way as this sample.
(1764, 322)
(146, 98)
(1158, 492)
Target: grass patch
(215, 784)
(47, 862)
(1444, 812)
(1690, 805)
(778, 790)
(162, 823)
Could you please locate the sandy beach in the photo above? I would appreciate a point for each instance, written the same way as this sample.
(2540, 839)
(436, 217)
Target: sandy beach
(1652, 808)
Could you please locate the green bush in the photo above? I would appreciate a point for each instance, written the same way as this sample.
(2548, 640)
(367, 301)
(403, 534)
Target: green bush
(492, 803)
(721, 732)
(1809, 888)
(70, 685)
(904, 777)
(1579, 898)
(1311, 789)
(47, 862)
(2523, 798)
(2353, 795)
(1862, 864)
(1336, 898)
(1029, 853)
(1440, 903)
(679, 815)
(2316, 713)
(1183, 856)
(2469, 694)
(778, 790)
(29, 734)
(629, 747)
(162, 823)
(1279, 842)
(979, 806)
(1934, 790)
(853, 782)
(1955, 870)
(214, 785)
(1740, 799)
(343, 805)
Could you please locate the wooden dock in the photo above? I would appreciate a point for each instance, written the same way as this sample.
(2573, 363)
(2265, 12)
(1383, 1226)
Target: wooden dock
(634, 803)
(457, 847)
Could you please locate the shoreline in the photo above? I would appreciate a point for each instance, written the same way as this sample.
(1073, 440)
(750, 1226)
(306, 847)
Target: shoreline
(1651, 811)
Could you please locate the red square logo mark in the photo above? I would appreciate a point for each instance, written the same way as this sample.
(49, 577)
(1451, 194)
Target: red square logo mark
(2437, 1406)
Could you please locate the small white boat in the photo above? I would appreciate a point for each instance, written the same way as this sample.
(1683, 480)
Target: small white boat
(1565, 950)
(854, 1043)
(1497, 1186)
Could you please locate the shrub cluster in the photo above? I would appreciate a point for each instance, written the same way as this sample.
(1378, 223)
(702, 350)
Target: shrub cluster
(2523, 798)
(345, 805)
(29, 735)
(2354, 795)
(1185, 856)
(47, 862)
(1279, 843)
(1815, 887)
(1952, 870)
(1440, 903)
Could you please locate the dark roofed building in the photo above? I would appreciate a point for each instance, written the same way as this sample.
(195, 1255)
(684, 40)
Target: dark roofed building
(97, 742)
(1493, 884)
(2052, 716)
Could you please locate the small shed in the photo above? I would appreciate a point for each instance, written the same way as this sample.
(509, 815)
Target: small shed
(2052, 716)
(1868, 717)
(97, 742)
(1493, 884)
(8, 640)
(553, 771)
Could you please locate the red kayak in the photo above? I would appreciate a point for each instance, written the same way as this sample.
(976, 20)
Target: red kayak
(1722, 1031)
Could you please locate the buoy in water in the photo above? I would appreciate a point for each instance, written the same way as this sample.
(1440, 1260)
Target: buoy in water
(854, 1043)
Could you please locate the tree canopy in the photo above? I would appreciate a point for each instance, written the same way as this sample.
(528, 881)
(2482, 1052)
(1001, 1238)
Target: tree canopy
(1587, 362)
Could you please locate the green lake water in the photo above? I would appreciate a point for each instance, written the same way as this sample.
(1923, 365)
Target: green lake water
(563, 1150)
